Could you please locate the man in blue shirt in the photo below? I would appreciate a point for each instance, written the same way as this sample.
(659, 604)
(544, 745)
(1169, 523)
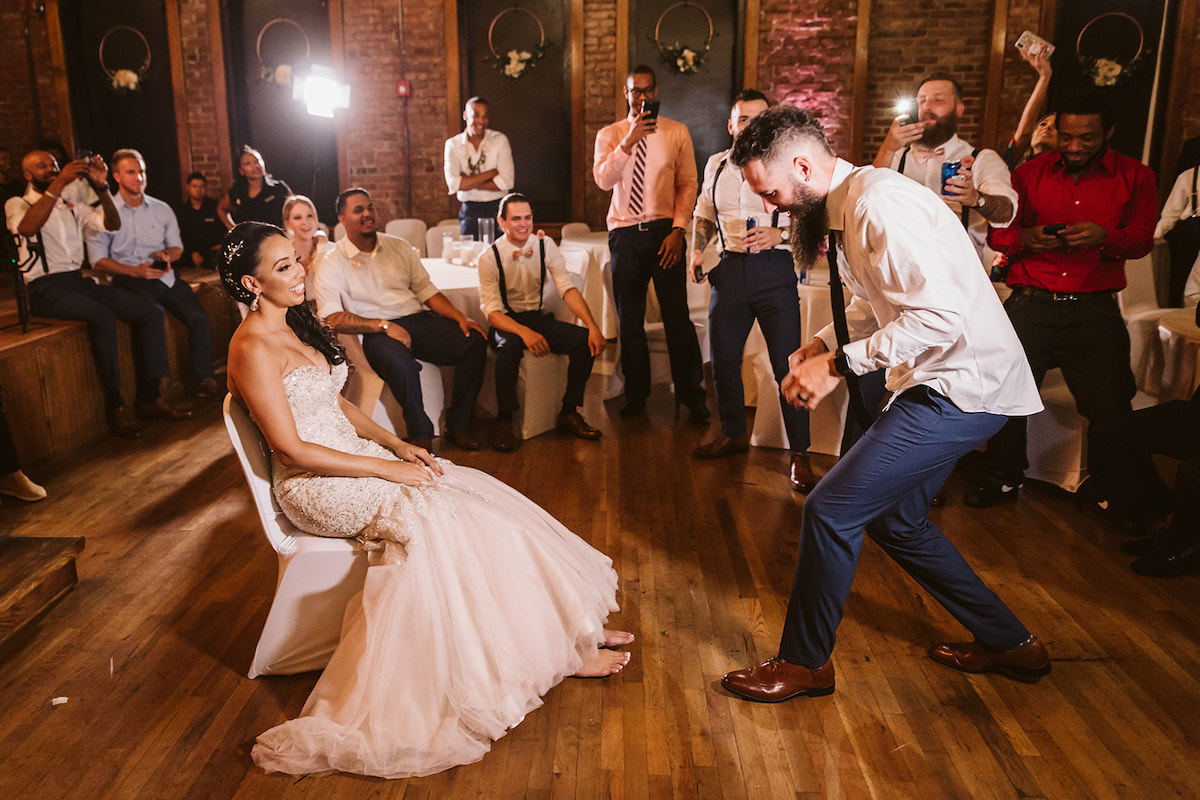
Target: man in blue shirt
(140, 255)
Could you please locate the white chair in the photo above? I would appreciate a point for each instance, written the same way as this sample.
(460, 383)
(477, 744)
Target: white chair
(433, 237)
(574, 229)
(410, 230)
(1139, 307)
(317, 576)
(339, 232)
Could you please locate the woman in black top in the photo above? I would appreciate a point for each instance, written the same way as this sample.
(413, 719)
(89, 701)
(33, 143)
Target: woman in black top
(255, 196)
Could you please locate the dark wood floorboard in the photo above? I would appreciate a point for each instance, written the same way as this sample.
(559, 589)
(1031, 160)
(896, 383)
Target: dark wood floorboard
(152, 647)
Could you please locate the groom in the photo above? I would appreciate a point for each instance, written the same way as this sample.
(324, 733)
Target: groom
(931, 318)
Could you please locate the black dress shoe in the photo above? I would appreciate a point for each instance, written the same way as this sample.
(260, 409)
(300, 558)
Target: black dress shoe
(777, 680)
(723, 446)
(1028, 663)
(1168, 565)
(503, 438)
(462, 440)
(991, 494)
(698, 413)
(573, 423)
(633, 408)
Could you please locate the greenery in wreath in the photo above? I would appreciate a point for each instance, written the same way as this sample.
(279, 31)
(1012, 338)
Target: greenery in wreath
(682, 58)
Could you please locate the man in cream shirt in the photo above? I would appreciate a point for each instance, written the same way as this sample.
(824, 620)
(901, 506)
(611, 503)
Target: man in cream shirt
(478, 166)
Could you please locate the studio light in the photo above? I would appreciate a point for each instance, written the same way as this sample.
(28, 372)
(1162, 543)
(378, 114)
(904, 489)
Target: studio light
(320, 92)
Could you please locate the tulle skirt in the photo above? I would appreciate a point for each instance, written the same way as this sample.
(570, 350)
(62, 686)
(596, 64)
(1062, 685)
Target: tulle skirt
(476, 604)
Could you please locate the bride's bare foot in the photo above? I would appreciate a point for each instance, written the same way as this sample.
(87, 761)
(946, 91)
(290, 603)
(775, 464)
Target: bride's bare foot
(599, 663)
(616, 638)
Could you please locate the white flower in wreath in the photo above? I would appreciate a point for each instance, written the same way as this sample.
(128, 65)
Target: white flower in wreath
(283, 75)
(686, 60)
(125, 79)
(516, 63)
(1107, 72)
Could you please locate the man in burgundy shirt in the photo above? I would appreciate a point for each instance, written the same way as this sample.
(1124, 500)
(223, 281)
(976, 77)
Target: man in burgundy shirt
(1082, 211)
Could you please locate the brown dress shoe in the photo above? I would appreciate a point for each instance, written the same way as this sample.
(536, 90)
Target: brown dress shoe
(573, 423)
(503, 438)
(210, 389)
(121, 425)
(723, 446)
(1028, 663)
(161, 409)
(777, 680)
(801, 475)
(462, 440)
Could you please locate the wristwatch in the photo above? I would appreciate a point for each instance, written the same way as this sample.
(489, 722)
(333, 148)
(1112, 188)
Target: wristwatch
(842, 364)
(982, 199)
(784, 235)
(384, 325)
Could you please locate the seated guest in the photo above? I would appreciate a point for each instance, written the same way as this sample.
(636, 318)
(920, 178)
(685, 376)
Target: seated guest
(13, 482)
(255, 196)
(1137, 494)
(140, 257)
(199, 226)
(300, 222)
(58, 288)
(512, 277)
(373, 285)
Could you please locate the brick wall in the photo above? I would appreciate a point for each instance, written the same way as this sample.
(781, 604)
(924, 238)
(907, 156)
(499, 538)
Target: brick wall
(16, 101)
(201, 98)
(600, 84)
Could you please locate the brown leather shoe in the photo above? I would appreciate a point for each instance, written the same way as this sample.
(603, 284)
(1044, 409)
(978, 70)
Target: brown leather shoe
(122, 425)
(161, 409)
(777, 680)
(573, 423)
(722, 446)
(1028, 663)
(210, 389)
(503, 438)
(462, 440)
(801, 475)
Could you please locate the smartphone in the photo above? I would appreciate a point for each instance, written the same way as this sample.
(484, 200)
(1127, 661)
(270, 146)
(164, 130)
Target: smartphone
(650, 109)
(909, 107)
(1031, 43)
(84, 155)
(1054, 230)
(165, 266)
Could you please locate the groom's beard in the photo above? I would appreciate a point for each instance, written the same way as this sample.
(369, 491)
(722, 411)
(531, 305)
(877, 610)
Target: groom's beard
(808, 224)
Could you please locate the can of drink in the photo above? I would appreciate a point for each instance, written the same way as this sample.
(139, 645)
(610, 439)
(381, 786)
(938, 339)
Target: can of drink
(949, 170)
(751, 222)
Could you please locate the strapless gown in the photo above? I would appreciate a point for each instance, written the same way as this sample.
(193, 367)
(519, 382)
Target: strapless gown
(476, 603)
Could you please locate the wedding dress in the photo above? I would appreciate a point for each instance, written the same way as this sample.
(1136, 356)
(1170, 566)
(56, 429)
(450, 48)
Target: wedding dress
(476, 603)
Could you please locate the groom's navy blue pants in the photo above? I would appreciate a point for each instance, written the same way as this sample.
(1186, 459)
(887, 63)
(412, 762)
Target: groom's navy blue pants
(884, 484)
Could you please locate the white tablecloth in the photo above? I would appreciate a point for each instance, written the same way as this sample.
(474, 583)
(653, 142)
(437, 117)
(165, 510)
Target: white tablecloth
(461, 287)
(1180, 339)
(596, 291)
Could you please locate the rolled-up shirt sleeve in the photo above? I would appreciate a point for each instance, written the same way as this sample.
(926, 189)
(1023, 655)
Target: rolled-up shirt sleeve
(990, 175)
(489, 284)
(506, 178)
(452, 165)
(686, 184)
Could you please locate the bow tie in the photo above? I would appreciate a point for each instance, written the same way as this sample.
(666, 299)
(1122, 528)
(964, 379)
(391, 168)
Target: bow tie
(519, 254)
(922, 156)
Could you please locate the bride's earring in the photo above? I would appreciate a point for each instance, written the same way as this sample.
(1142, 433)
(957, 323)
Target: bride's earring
(254, 304)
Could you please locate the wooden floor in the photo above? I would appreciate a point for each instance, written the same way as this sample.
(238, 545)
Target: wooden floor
(151, 650)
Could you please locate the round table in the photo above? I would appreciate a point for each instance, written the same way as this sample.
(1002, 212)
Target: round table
(1180, 338)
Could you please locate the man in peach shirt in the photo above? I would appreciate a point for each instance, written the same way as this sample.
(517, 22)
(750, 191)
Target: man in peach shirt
(648, 163)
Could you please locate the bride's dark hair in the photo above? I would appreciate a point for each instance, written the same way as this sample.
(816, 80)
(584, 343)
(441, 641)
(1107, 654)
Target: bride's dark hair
(239, 257)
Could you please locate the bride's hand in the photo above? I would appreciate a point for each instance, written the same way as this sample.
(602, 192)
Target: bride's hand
(407, 473)
(418, 455)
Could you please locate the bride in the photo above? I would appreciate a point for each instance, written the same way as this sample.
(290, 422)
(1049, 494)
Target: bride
(476, 602)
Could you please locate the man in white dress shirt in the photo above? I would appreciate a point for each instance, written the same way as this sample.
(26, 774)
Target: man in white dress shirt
(931, 319)
(918, 148)
(755, 280)
(374, 285)
(478, 166)
(512, 278)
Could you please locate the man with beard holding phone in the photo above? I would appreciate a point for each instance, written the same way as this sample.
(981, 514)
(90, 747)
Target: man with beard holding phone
(982, 190)
(648, 163)
(931, 319)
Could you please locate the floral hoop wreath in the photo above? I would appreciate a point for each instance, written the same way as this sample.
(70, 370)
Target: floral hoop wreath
(279, 74)
(683, 58)
(514, 63)
(1105, 71)
(124, 80)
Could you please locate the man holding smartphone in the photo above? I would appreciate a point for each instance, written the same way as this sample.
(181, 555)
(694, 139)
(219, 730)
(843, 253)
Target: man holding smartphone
(918, 144)
(648, 163)
(140, 257)
(1083, 211)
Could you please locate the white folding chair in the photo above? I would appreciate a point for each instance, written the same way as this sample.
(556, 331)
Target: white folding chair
(339, 232)
(317, 576)
(433, 237)
(410, 230)
(575, 229)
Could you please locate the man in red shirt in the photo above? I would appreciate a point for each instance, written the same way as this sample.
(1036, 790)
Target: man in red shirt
(1082, 211)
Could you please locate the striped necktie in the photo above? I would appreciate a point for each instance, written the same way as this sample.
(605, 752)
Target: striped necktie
(639, 178)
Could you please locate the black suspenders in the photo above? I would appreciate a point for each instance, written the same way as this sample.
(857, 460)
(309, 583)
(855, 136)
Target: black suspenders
(504, 283)
(717, 214)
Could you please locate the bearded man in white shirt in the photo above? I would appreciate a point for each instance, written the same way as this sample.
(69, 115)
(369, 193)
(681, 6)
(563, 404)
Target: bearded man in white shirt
(956, 370)
(981, 193)
(512, 278)
(478, 166)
